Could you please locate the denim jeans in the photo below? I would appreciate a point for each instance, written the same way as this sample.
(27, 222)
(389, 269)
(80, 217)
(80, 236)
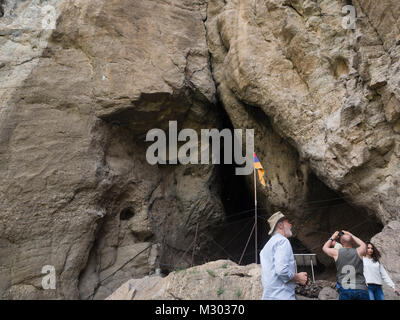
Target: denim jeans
(353, 294)
(375, 292)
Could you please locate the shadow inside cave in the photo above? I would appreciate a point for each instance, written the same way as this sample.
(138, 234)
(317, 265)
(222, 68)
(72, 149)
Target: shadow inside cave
(323, 212)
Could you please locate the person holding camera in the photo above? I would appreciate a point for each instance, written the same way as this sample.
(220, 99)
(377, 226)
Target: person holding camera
(277, 262)
(374, 273)
(349, 265)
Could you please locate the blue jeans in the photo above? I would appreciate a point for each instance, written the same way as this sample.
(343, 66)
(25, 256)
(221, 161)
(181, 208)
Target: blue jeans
(375, 292)
(353, 294)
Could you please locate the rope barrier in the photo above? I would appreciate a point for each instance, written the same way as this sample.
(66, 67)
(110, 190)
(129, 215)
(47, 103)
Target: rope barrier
(130, 260)
(207, 258)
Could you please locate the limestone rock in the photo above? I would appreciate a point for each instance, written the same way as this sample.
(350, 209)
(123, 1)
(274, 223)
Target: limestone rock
(330, 93)
(76, 101)
(328, 294)
(320, 289)
(217, 280)
(82, 81)
(388, 244)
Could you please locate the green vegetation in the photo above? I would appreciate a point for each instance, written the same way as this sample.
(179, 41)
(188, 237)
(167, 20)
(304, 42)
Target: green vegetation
(179, 269)
(238, 293)
(224, 266)
(220, 291)
(211, 273)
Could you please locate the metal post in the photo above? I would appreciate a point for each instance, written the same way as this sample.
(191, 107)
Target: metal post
(255, 212)
(247, 243)
(195, 243)
(312, 270)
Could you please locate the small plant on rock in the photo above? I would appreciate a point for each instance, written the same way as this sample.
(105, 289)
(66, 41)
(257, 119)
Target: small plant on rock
(238, 293)
(179, 269)
(211, 273)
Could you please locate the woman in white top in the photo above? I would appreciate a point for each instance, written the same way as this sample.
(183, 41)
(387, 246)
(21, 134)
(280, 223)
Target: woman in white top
(374, 273)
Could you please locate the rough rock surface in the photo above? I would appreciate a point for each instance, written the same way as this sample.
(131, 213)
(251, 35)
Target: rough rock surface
(320, 289)
(291, 70)
(217, 280)
(76, 191)
(328, 294)
(388, 244)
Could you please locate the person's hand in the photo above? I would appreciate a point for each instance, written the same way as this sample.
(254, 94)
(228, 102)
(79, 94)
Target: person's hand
(397, 292)
(302, 278)
(335, 235)
(348, 233)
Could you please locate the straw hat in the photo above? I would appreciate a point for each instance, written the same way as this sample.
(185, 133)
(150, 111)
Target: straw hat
(273, 220)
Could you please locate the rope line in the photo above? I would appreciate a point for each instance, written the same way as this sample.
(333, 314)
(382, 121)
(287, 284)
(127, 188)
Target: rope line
(224, 249)
(100, 281)
(206, 258)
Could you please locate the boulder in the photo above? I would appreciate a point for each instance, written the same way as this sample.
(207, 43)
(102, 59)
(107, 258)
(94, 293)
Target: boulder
(217, 280)
(388, 244)
(328, 293)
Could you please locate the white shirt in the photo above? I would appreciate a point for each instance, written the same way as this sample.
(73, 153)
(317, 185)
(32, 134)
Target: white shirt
(374, 272)
(277, 269)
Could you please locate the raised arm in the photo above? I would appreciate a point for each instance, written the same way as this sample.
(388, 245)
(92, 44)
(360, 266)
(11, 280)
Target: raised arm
(332, 252)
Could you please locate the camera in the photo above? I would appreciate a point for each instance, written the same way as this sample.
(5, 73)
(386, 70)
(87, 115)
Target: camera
(339, 235)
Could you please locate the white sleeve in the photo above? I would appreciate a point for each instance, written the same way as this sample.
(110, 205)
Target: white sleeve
(282, 261)
(385, 276)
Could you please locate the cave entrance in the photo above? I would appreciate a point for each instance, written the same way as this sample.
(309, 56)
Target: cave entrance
(238, 201)
(237, 196)
(326, 211)
(232, 236)
(322, 212)
(319, 213)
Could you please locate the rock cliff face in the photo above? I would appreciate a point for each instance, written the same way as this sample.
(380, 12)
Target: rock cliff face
(77, 100)
(331, 92)
(220, 279)
(290, 69)
(217, 280)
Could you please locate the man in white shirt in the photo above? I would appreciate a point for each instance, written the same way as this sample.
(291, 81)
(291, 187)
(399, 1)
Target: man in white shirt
(277, 262)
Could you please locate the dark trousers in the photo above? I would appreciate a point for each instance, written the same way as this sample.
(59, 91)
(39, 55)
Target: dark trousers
(353, 294)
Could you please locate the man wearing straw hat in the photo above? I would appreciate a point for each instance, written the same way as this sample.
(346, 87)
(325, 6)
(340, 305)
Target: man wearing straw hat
(277, 262)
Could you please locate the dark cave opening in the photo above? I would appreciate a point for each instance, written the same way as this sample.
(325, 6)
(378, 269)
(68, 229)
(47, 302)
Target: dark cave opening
(230, 238)
(326, 211)
(323, 212)
(126, 214)
(320, 214)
